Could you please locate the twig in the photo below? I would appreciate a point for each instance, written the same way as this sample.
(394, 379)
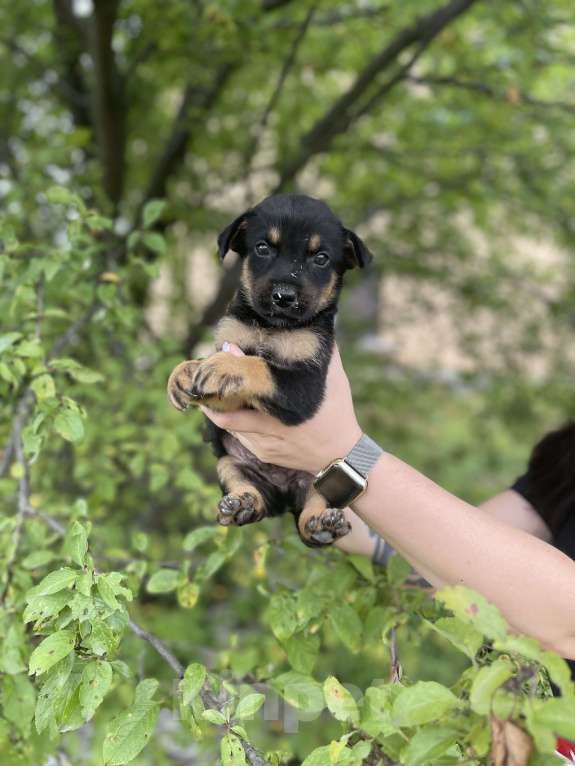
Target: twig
(511, 96)
(254, 757)
(158, 646)
(396, 669)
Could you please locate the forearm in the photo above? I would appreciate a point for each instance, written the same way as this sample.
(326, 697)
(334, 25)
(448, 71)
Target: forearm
(532, 583)
(368, 542)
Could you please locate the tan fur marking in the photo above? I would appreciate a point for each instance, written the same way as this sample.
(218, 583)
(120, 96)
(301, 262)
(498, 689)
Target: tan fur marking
(232, 478)
(235, 483)
(247, 282)
(299, 345)
(314, 243)
(274, 235)
(242, 379)
(327, 293)
(315, 504)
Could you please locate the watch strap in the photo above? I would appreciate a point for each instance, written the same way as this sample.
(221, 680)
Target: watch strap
(363, 455)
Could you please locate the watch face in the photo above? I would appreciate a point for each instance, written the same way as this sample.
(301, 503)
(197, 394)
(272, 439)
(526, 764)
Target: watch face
(340, 484)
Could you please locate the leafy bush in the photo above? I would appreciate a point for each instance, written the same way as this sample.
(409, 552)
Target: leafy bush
(134, 628)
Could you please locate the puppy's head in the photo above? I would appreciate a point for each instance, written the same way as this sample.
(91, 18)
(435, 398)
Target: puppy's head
(294, 251)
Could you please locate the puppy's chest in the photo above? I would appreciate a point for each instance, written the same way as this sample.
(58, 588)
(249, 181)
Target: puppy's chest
(282, 347)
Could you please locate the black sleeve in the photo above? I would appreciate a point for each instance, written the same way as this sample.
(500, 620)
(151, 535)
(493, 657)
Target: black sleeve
(521, 486)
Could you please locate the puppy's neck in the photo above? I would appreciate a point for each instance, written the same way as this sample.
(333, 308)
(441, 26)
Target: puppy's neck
(310, 344)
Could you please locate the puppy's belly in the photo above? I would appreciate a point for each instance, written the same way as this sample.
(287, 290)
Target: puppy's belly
(291, 483)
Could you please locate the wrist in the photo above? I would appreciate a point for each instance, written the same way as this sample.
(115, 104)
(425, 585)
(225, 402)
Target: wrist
(336, 448)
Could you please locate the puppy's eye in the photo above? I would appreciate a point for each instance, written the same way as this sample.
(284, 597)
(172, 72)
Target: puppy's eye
(321, 259)
(263, 249)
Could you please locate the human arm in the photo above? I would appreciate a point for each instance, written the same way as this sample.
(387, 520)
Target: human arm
(447, 540)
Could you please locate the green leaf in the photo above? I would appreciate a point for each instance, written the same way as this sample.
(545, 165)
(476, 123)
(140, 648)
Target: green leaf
(69, 425)
(199, 536)
(463, 636)
(106, 592)
(163, 581)
(192, 682)
(215, 717)
(340, 702)
(321, 756)
(44, 387)
(248, 706)
(75, 544)
(398, 570)
(154, 242)
(8, 340)
(53, 693)
(486, 682)
(302, 652)
(282, 616)
(376, 714)
(555, 715)
(130, 731)
(18, 702)
(95, 684)
(51, 650)
(43, 607)
(102, 639)
(423, 702)
(347, 626)
(38, 559)
(363, 566)
(53, 582)
(152, 212)
(300, 691)
(474, 609)
(12, 649)
(427, 744)
(232, 751)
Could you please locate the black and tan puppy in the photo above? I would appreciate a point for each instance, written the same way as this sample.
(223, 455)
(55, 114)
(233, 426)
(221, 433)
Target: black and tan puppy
(294, 252)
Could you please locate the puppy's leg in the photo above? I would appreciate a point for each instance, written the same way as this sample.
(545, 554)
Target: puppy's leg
(243, 503)
(180, 384)
(224, 381)
(319, 525)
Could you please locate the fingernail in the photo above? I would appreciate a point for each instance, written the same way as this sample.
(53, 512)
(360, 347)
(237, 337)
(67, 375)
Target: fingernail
(225, 346)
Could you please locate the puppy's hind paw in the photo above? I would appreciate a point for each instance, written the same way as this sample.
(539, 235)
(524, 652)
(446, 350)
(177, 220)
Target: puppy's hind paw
(325, 528)
(245, 508)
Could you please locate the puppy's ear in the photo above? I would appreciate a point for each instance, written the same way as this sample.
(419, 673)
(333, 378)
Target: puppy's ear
(233, 237)
(355, 251)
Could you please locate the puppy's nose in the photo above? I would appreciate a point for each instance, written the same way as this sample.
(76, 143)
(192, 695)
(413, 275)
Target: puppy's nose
(284, 295)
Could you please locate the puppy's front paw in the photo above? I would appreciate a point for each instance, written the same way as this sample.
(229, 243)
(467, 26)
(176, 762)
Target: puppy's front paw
(180, 385)
(217, 378)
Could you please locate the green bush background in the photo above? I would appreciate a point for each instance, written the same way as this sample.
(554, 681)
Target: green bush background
(133, 131)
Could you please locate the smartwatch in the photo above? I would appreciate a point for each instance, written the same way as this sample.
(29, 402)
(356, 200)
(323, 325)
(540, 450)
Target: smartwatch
(344, 480)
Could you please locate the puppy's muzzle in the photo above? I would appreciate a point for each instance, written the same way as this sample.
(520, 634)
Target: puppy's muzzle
(284, 296)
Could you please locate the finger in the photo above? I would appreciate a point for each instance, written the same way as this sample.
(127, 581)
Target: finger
(242, 420)
(232, 348)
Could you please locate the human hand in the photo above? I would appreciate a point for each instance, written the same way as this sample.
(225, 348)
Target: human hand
(328, 435)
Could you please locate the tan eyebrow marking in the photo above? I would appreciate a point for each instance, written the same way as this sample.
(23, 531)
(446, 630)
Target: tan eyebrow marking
(274, 235)
(314, 242)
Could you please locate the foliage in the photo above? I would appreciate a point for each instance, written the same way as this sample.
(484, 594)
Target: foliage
(131, 627)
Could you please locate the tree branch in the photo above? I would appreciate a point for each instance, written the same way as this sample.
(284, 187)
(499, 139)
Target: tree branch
(347, 108)
(176, 146)
(108, 99)
(70, 37)
(514, 96)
